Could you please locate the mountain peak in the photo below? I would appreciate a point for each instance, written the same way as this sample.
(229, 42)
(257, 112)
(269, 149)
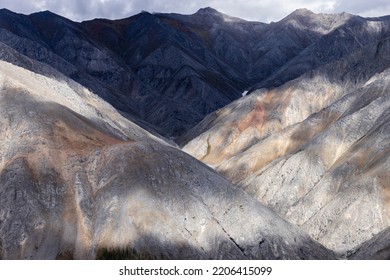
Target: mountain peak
(48, 14)
(303, 12)
(207, 11)
(214, 14)
(4, 12)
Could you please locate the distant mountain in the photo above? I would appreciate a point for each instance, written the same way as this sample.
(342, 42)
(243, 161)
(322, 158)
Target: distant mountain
(168, 71)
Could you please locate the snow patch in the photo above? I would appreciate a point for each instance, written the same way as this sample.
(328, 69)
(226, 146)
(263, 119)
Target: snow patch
(244, 93)
(375, 26)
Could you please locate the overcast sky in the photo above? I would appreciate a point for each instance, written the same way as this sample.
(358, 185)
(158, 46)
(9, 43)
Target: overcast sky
(259, 10)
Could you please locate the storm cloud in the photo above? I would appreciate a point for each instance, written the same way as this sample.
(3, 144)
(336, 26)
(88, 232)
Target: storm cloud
(265, 10)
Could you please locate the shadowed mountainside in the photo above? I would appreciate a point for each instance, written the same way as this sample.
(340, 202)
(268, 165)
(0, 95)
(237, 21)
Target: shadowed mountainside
(377, 248)
(167, 71)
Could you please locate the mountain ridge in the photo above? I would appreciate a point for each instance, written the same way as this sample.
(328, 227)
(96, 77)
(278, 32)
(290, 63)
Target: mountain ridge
(219, 59)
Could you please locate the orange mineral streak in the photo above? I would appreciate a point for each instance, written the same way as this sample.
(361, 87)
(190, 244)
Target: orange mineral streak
(72, 140)
(255, 118)
(274, 146)
(67, 144)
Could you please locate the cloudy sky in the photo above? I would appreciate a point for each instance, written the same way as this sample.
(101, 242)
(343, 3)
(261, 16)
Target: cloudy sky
(260, 10)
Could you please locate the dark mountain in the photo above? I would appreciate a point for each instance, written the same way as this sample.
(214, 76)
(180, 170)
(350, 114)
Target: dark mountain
(347, 34)
(167, 71)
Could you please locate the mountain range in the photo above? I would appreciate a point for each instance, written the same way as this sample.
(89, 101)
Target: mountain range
(199, 136)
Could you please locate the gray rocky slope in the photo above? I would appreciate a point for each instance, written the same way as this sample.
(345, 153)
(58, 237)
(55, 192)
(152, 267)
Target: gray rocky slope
(76, 179)
(316, 150)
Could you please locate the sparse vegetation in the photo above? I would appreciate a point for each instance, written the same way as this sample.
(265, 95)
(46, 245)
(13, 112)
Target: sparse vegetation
(67, 255)
(123, 254)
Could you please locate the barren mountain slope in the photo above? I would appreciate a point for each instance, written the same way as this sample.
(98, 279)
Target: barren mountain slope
(77, 179)
(241, 124)
(327, 172)
(334, 184)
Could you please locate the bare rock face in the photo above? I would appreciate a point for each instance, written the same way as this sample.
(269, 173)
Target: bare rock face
(77, 179)
(315, 150)
(243, 123)
(339, 197)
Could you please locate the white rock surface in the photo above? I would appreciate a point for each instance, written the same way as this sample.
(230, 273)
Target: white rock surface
(315, 150)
